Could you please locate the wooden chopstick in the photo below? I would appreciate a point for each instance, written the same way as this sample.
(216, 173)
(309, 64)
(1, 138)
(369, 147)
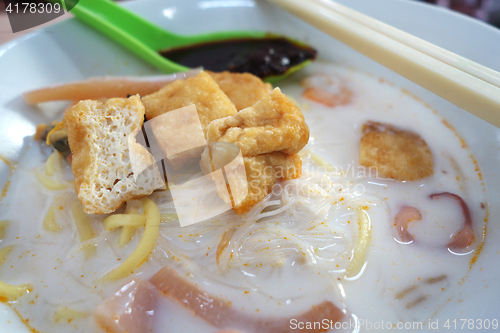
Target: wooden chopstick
(467, 91)
(473, 68)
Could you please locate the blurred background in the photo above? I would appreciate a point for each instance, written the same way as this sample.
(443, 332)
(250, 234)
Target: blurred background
(486, 10)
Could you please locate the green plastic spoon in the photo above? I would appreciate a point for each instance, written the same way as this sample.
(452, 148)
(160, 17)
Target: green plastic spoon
(145, 39)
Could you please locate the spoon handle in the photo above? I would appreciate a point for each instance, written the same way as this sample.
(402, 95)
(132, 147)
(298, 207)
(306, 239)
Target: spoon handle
(108, 17)
(133, 32)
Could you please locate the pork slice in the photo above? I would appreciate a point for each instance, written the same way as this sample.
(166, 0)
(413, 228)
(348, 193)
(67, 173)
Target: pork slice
(129, 310)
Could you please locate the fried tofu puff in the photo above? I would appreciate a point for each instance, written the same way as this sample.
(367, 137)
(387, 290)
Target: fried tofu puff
(269, 132)
(395, 153)
(201, 90)
(102, 139)
(243, 89)
(262, 173)
(273, 124)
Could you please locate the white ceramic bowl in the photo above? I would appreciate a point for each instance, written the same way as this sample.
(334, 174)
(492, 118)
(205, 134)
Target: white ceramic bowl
(71, 51)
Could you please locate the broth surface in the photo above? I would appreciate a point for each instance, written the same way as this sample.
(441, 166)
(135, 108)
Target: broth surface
(399, 283)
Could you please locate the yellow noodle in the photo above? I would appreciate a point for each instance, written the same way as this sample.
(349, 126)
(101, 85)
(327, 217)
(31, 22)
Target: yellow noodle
(363, 242)
(49, 182)
(5, 189)
(143, 250)
(224, 242)
(83, 226)
(322, 162)
(128, 231)
(122, 220)
(52, 163)
(59, 127)
(3, 252)
(49, 222)
(65, 313)
(11, 165)
(3, 228)
(8, 291)
(126, 235)
(165, 218)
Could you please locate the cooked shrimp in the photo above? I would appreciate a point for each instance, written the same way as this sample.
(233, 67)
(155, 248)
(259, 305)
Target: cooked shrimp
(465, 236)
(405, 216)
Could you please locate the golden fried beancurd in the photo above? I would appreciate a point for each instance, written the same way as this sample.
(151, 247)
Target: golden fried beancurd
(102, 139)
(243, 89)
(262, 172)
(273, 124)
(395, 153)
(201, 90)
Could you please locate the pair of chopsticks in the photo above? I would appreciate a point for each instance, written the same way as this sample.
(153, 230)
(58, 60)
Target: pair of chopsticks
(469, 85)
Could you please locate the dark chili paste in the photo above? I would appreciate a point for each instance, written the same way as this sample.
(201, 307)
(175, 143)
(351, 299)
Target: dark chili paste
(262, 57)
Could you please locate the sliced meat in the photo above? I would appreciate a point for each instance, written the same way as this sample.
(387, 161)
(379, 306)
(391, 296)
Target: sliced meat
(129, 310)
(219, 312)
